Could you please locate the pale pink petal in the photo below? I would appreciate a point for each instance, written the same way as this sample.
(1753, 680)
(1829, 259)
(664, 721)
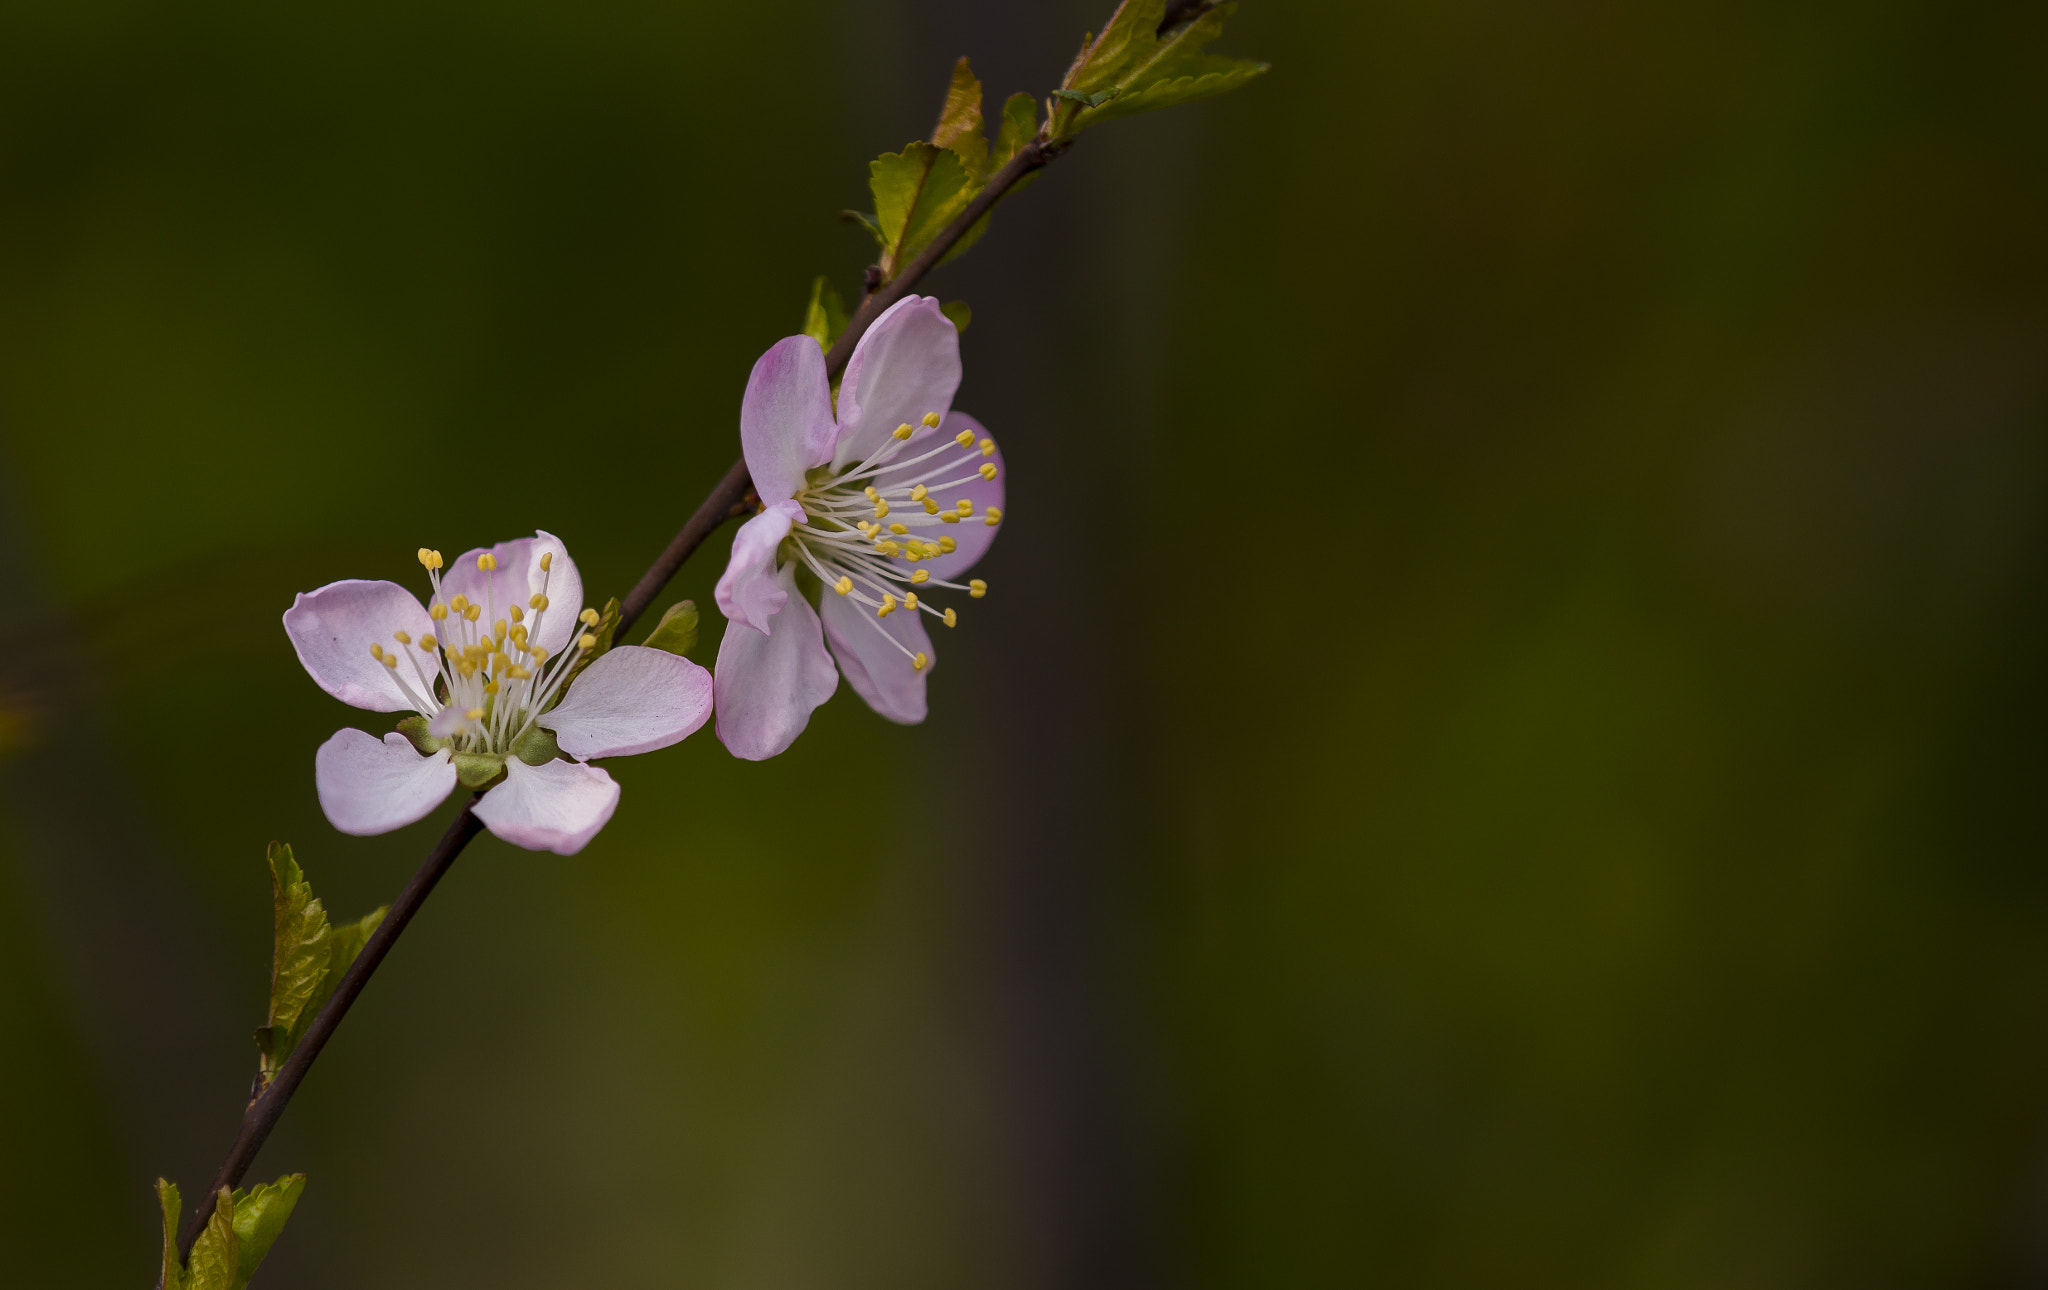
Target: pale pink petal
(747, 591)
(631, 700)
(558, 806)
(333, 629)
(972, 533)
(767, 686)
(369, 786)
(908, 364)
(866, 649)
(516, 580)
(786, 424)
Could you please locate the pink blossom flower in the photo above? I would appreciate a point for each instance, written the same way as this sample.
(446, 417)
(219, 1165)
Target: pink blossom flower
(490, 667)
(865, 512)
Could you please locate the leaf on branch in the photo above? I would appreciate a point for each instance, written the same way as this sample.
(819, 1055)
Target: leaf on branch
(867, 221)
(173, 1207)
(259, 1218)
(1019, 127)
(1139, 63)
(307, 958)
(959, 126)
(917, 192)
(825, 317)
(216, 1256)
(677, 630)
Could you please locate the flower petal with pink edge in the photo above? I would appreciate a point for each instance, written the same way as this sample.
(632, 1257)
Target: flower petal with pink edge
(786, 424)
(748, 591)
(908, 364)
(631, 700)
(368, 786)
(866, 649)
(558, 806)
(768, 686)
(973, 533)
(333, 628)
(516, 580)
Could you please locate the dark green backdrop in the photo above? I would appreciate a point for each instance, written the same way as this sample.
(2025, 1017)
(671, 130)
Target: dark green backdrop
(1507, 749)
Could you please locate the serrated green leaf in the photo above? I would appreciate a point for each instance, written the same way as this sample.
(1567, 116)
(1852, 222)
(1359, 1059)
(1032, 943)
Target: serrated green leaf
(260, 1214)
(298, 955)
(216, 1255)
(343, 944)
(173, 1207)
(1141, 68)
(960, 126)
(917, 192)
(957, 313)
(825, 317)
(677, 630)
(1019, 127)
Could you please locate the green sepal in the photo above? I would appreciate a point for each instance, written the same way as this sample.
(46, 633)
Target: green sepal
(957, 313)
(415, 731)
(167, 1198)
(259, 1218)
(825, 317)
(217, 1255)
(917, 192)
(607, 627)
(677, 630)
(537, 747)
(1134, 67)
(474, 770)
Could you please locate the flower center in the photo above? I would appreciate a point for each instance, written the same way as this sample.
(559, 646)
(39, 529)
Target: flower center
(864, 542)
(483, 678)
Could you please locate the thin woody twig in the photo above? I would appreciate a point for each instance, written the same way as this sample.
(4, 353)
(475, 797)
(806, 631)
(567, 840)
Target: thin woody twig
(725, 501)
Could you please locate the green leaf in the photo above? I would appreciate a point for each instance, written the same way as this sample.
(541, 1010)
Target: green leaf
(216, 1255)
(958, 312)
(1019, 127)
(260, 1214)
(917, 192)
(343, 944)
(298, 955)
(825, 317)
(960, 127)
(677, 630)
(1134, 67)
(173, 1207)
(866, 220)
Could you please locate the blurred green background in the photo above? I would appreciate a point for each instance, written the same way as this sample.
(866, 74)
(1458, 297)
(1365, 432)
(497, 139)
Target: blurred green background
(1507, 749)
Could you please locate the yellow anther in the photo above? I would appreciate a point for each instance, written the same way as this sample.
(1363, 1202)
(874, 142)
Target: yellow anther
(964, 438)
(947, 545)
(498, 629)
(376, 651)
(487, 562)
(474, 714)
(426, 558)
(988, 470)
(988, 447)
(537, 602)
(490, 687)
(904, 431)
(910, 600)
(429, 644)
(517, 672)
(586, 641)
(459, 604)
(950, 618)
(882, 509)
(965, 506)
(921, 576)
(917, 494)
(391, 661)
(917, 664)
(473, 613)
(547, 561)
(516, 613)
(873, 496)
(519, 633)
(977, 588)
(932, 419)
(899, 528)
(888, 605)
(995, 514)
(438, 561)
(950, 517)
(588, 618)
(844, 586)
(403, 638)
(930, 507)
(499, 662)
(914, 554)
(539, 655)
(437, 611)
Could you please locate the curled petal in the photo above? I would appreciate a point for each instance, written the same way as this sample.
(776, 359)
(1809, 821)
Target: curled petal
(558, 806)
(369, 786)
(786, 424)
(906, 365)
(517, 579)
(749, 592)
(333, 628)
(973, 533)
(768, 686)
(631, 700)
(879, 672)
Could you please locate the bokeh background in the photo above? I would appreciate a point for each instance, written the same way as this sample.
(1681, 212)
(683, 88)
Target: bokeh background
(1507, 748)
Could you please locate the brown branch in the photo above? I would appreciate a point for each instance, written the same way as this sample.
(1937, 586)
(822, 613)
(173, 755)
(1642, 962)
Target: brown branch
(726, 501)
